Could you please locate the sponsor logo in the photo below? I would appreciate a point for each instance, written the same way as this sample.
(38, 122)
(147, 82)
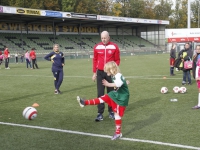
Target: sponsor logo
(21, 11)
(109, 52)
(33, 12)
(68, 15)
(159, 21)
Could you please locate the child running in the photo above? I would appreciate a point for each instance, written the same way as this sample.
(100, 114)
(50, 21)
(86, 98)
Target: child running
(117, 99)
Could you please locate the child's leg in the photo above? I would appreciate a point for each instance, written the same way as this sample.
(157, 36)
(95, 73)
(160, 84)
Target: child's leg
(199, 98)
(118, 123)
(95, 101)
(198, 105)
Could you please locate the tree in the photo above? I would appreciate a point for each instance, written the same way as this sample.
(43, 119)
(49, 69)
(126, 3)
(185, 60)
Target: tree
(117, 9)
(163, 10)
(68, 5)
(137, 7)
(86, 6)
(178, 19)
(51, 5)
(103, 7)
(195, 8)
(4, 2)
(148, 11)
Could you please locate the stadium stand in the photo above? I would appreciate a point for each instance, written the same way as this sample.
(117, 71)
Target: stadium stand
(43, 42)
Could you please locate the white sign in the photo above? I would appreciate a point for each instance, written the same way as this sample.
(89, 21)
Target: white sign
(178, 33)
(10, 10)
(134, 20)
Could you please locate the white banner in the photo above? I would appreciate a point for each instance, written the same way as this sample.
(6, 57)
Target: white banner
(134, 20)
(10, 10)
(179, 33)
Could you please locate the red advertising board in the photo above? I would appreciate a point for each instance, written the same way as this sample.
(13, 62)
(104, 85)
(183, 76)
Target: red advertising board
(184, 39)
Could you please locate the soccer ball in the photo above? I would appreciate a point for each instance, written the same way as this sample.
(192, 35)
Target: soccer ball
(164, 90)
(176, 89)
(29, 113)
(182, 89)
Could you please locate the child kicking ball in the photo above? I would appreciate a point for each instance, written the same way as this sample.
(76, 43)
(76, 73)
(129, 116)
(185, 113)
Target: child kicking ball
(117, 99)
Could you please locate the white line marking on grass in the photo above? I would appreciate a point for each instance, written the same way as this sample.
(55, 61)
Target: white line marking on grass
(128, 77)
(43, 76)
(100, 135)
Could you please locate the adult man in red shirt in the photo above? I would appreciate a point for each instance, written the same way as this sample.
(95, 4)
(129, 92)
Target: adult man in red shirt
(6, 58)
(33, 58)
(104, 52)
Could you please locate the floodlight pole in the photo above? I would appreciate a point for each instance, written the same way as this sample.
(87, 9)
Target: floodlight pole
(188, 13)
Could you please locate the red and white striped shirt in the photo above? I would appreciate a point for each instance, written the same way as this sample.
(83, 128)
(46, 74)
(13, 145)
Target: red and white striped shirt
(105, 53)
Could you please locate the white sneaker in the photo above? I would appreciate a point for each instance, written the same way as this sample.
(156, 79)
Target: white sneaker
(116, 136)
(8, 68)
(80, 101)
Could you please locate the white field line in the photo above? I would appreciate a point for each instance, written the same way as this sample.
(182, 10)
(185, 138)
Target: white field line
(100, 135)
(127, 77)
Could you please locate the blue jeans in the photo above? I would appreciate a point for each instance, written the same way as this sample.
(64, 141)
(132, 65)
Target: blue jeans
(186, 74)
(28, 63)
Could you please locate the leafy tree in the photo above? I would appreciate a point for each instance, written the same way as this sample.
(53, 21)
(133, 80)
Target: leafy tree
(117, 9)
(86, 6)
(148, 9)
(51, 5)
(178, 19)
(137, 7)
(163, 10)
(68, 5)
(195, 8)
(103, 7)
(4, 2)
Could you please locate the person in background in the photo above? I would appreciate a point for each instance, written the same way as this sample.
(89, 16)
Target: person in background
(33, 57)
(172, 59)
(104, 52)
(58, 61)
(6, 57)
(116, 99)
(28, 59)
(1, 58)
(22, 58)
(16, 58)
(186, 54)
(196, 73)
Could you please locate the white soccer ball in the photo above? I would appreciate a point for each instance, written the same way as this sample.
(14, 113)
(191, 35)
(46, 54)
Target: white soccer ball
(182, 89)
(164, 90)
(176, 89)
(29, 113)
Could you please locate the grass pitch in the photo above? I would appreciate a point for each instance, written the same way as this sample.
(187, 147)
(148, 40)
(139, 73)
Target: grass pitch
(149, 116)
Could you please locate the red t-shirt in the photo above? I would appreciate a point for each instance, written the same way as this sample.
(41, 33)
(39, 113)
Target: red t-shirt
(32, 54)
(6, 52)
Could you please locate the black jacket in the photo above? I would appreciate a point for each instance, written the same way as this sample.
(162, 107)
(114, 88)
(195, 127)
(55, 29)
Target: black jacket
(173, 53)
(187, 57)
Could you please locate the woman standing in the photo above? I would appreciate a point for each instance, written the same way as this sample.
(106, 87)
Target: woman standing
(58, 61)
(172, 59)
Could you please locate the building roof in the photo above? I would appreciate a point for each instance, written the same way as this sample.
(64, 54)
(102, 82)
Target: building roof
(36, 16)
